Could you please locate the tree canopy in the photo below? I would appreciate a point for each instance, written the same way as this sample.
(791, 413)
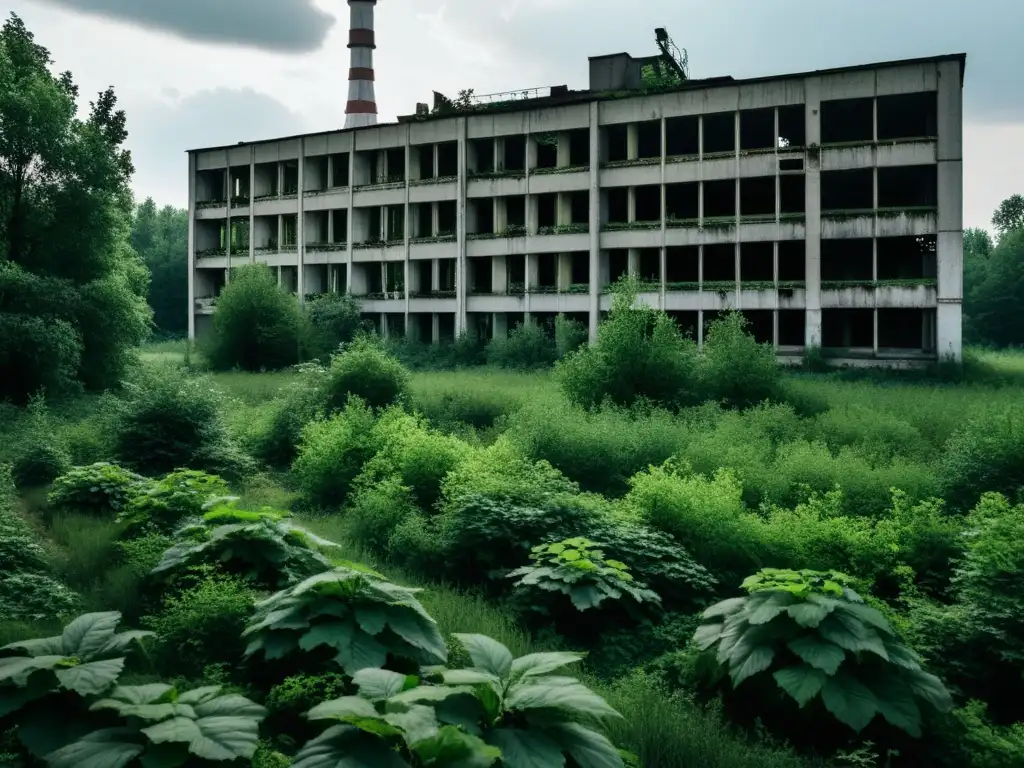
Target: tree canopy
(160, 237)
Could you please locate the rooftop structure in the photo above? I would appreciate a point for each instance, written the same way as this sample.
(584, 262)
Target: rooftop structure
(826, 206)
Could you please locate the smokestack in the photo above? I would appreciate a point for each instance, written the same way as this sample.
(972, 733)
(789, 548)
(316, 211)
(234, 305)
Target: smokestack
(361, 109)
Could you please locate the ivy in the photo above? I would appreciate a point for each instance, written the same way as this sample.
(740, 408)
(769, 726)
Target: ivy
(500, 173)
(792, 285)
(614, 226)
(560, 169)
(206, 204)
(578, 288)
(326, 246)
(433, 180)
(683, 286)
(721, 286)
(206, 252)
(440, 238)
(674, 222)
(757, 285)
(375, 243)
(632, 162)
(565, 229)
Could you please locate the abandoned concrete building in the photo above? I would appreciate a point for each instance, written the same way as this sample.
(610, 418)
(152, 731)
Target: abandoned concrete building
(826, 206)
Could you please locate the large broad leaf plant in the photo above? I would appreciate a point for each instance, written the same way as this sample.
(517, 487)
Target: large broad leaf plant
(356, 617)
(513, 710)
(44, 682)
(820, 641)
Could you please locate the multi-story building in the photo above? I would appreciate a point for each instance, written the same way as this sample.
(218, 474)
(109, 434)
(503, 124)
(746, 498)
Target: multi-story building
(826, 206)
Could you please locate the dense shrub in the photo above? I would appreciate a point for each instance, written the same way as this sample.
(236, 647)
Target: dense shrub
(734, 369)
(375, 510)
(101, 490)
(332, 453)
(43, 452)
(986, 454)
(275, 440)
(364, 369)
(639, 353)
(175, 497)
(333, 319)
(526, 347)
(258, 324)
(570, 335)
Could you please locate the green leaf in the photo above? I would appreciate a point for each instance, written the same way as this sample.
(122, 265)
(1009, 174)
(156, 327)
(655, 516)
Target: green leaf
(869, 615)
(487, 654)
(819, 653)
(758, 661)
(199, 695)
(211, 738)
(43, 646)
(555, 693)
(896, 704)
(334, 633)
(419, 632)
(121, 641)
(848, 632)
(522, 748)
(231, 704)
(537, 664)
(107, 748)
(18, 670)
(930, 688)
(371, 619)
(850, 701)
(451, 748)
(724, 608)
(360, 652)
(809, 614)
(427, 693)
(418, 722)
(707, 635)
(13, 699)
(469, 677)
(346, 706)
(902, 656)
(157, 712)
(344, 746)
(587, 747)
(762, 607)
(586, 597)
(91, 679)
(465, 711)
(86, 635)
(377, 684)
(803, 682)
(124, 695)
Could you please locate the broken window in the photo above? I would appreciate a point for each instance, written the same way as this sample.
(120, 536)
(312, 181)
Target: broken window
(547, 210)
(421, 326)
(847, 120)
(792, 261)
(481, 155)
(760, 325)
(239, 183)
(848, 190)
(908, 116)
(719, 133)
(264, 232)
(757, 196)
(447, 214)
(757, 129)
(394, 277)
(547, 150)
(757, 262)
(445, 275)
(515, 211)
(339, 169)
(618, 264)
(792, 126)
(240, 235)
(481, 217)
(395, 161)
(374, 276)
(616, 143)
(682, 136)
(424, 275)
(848, 328)
(447, 159)
(682, 201)
(422, 223)
(617, 200)
(792, 327)
(792, 193)
(906, 258)
(650, 265)
(395, 325)
(446, 326)
(317, 223)
(682, 265)
(547, 270)
(480, 275)
(579, 268)
(912, 186)
(395, 223)
(579, 147)
(648, 135)
(648, 202)
(720, 263)
(720, 199)
(515, 271)
(291, 176)
(514, 155)
(579, 207)
(425, 160)
(847, 260)
(289, 230)
(266, 180)
(316, 173)
(911, 329)
(211, 186)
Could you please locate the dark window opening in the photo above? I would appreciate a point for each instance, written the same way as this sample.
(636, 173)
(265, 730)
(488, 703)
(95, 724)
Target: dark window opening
(547, 150)
(757, 129)
(480, 271)
(616, 143)
(912, 186)
(906, 258)
(515, 266)
(395, 325)
(650, 265)
(266, 180)
(682, 201)
(425, 276)
(514, 158)
(618, 264)
(481, 154)
(682, 136)
(686, 322)
(719, 198)
(446, 274)
(792, 194)
(848, 190)
(425, 160)
(396, 222)
(847, 120)
(682, 264)
(369, 168)
(792, 327)
(719, 132)
(211, 186)
(648, 134)
(792, 126)
(448, 159)
(709, 316)
(446, 218)
(792, 261)
(395, 164)
(291, 177)
(339, 169)
(547, 270)
(579, 207)
(791, 164)
(846, 260)
(848, 328)
(446, 326)
(757, 196)
(394, 277)
(579, 147)
(908, 116)
(618, 204)
(340, 216)
(547, 210)
(515, 211)
(373, 220)
(374, 277)
(483, 215)
(421, 326)
(760, 325)
(757, 262)
(720, 263)
(423, 215)
(648, 202)
(316, 176)
(579, 267)
(906, 329)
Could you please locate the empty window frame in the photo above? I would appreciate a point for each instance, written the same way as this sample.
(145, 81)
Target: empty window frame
(848, 190)
(647, 201)
(340, 162)
(906, 329)
(792, 126)
(792, 327)
(912, 186)
(617, 204)
(720, 199)
(792, 261)
(682, 266)
(618, 264)
(847, 260)
(908, 116)
(847, 121)
(648, 135)
(579, 147)
(792, 194)
(616, 143)
(906, 258)
(760, 325)
(682, 201)
(448, 159)
(579, 207)
(682, 136)
(757, 262)
(848, 329)
(757, 196)
(719, 133)
(757, 129)
(719, 263)
(514, 154)
(424, 159)
(547, 150)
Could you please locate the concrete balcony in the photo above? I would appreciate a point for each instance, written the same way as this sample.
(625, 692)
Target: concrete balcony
(568, 179)
(272, 205)
(392, 250)
(497, 184)
(325, 199)
(212, 209)
(431, 190)
(325, 253)
(440, 247)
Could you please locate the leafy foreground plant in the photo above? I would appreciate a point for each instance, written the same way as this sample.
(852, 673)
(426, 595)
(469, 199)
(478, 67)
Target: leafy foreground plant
(502, 708)
(575, 569)
(175, 497)
(101, 489)
(358, 616)
(163, 727)
(41, 689)
(819, 638)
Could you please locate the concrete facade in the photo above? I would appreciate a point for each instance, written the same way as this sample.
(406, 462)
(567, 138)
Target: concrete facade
(826, 206)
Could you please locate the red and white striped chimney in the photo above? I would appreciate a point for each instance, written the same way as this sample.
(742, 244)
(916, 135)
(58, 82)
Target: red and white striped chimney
(361, 109)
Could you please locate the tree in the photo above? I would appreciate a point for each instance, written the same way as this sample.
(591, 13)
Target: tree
(72, 306)
(1009, 216)
(160, 237)
(995, 303)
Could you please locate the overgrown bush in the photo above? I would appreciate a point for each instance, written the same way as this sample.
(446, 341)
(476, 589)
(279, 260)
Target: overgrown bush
(258, 324)
(334, 319)
(985, 454)
(735, 370)
(43, 454)
(276, 440)
(102, 490)
(375, 510)
(364, 369)
(526, 347)
(162, 506)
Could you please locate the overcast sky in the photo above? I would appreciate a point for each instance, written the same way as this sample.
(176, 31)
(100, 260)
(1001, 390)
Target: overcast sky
(194, 73)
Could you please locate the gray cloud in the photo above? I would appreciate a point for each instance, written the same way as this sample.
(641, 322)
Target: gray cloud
(159, 134)
(288, 26)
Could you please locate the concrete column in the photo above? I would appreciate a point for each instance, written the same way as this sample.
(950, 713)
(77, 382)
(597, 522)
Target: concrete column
(531, 153)
(460, 267)
(300, 227)
(499, 153)
(595, 221)
(950, 240)
(349, 217)
(192, 246)
(435, 328)
(563, 274)
(437, 161)
(499, 274)
(812, 191)
(227, 220)
(532, 271)
(435, 219)
(435, 275)
(499, 325)
(631, 204)
(633, 262)
(252, 204)
(603, 271)
(632, 141)
(562, 150)
(500, 214)
(407, 225)
(563, 209)
(532, 214)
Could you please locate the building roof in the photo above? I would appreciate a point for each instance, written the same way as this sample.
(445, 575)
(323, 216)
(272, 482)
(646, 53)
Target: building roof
(573, 97)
